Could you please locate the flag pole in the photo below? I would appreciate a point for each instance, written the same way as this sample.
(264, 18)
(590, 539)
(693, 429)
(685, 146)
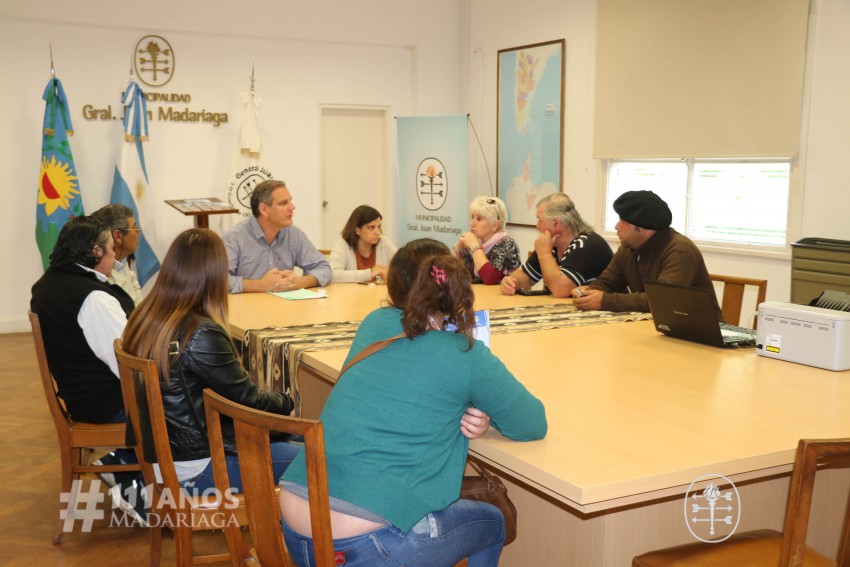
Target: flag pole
(52, 68)
(252, 76)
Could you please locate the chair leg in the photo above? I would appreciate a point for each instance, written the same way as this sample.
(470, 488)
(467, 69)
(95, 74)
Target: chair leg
(183, 544)
(69, 458)
(156, 545)
(236, 544)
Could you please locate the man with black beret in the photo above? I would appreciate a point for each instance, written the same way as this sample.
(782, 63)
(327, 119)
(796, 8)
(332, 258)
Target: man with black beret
(649, 250)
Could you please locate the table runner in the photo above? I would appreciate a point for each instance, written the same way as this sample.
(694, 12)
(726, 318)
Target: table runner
(274, 353)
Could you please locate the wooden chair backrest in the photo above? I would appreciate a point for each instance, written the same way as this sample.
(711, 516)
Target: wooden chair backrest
(76, 439)
(77, 435)
(140, 386)
(61, 418)
(733, 297)
(809, 453)
(252, 429)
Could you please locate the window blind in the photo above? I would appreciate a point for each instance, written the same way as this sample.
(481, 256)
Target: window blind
(699, 78)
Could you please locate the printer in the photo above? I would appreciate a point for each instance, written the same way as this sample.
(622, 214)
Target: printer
(804, 334)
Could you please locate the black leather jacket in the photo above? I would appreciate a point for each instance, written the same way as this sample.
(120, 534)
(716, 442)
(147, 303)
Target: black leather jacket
(206, 361)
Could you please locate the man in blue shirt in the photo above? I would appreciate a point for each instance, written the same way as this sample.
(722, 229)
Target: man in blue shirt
(263, 250)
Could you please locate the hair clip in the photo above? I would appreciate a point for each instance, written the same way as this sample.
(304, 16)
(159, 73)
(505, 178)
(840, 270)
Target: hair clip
(439, 275)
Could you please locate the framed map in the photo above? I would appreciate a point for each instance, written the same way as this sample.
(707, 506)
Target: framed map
(530, 133)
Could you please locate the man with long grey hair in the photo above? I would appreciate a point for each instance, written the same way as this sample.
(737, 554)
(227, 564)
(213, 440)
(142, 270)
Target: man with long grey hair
(567, 253)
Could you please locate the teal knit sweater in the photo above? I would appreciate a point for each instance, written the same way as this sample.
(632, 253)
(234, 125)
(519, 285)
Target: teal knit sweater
(392, 422)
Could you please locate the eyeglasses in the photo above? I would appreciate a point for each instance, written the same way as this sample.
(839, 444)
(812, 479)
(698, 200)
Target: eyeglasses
(136, 230)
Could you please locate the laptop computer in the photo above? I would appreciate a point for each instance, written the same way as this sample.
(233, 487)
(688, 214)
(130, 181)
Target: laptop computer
(689, 313)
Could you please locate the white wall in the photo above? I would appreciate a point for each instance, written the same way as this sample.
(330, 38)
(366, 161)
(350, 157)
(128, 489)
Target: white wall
(826, 210)
(825, 207)
(415, 56)
(305, 54)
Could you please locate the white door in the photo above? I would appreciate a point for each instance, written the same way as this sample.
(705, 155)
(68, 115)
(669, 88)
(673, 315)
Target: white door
(353, 165)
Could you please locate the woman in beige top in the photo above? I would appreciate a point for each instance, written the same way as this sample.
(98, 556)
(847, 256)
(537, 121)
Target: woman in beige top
(363, 253)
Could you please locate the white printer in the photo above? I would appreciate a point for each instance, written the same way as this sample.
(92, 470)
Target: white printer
(803, 334)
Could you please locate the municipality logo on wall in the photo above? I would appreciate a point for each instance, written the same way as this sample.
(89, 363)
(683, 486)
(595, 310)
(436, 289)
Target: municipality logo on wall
(432, 184)
(241, 184)
(153, 60)
(712, 512)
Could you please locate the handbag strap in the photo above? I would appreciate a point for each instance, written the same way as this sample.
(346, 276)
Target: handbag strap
(476, 466)
(368, 351)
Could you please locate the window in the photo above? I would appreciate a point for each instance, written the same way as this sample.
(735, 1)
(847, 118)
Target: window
(730, 201)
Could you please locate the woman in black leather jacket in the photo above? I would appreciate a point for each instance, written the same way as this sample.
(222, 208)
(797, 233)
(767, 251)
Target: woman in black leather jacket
(182, 325)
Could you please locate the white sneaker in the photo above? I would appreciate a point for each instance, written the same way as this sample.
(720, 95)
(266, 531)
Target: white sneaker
(108, 459)
(131, 499)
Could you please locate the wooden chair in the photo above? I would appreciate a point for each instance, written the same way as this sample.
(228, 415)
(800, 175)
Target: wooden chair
(769, 548)
(261, 491)
(252, 440)
(170, 505)
(76, 439)
(733, 297)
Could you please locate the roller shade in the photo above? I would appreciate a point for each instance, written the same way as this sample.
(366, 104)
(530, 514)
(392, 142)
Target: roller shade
(699, 78)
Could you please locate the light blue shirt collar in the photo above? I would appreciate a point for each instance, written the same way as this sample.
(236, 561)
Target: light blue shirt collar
(258, 233)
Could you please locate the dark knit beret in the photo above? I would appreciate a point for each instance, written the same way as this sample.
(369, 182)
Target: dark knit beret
(644, 209)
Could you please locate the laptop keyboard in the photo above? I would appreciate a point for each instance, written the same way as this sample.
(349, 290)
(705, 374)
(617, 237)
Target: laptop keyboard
(736, 329)
(733, 334)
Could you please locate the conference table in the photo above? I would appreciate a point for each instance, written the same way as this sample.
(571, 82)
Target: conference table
(634, 418)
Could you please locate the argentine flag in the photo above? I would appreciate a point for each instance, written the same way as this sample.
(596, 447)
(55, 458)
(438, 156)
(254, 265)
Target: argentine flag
(130, 186)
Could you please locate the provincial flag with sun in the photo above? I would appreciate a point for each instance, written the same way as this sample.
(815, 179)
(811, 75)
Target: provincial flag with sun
(58, 189)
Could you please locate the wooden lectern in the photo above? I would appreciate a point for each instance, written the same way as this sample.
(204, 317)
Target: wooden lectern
(201, 209)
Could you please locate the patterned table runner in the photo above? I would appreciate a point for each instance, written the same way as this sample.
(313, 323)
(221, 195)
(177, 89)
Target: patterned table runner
(275, 352)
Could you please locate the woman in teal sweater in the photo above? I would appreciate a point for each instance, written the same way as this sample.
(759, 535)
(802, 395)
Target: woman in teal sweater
(395, 453)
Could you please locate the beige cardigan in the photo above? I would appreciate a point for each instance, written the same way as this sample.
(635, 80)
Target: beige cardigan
(344, 264)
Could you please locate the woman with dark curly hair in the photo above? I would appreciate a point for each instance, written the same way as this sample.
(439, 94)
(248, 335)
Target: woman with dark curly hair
(395, 453)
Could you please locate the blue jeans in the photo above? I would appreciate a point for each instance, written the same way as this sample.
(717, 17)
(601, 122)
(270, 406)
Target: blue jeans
(127, 456)
(282, 455)
(466, 528)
